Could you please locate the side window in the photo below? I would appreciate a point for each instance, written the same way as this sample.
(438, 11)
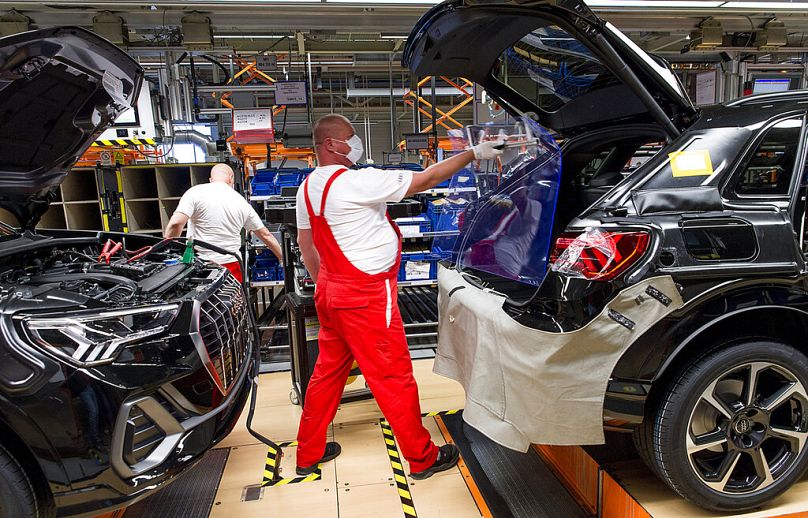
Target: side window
(770, 168)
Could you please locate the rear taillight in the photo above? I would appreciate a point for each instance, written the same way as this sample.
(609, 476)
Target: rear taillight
(598, 255)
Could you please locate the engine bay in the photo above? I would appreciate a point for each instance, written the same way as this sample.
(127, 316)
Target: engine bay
(93, 274)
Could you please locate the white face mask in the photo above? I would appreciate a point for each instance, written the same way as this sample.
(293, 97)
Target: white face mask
(355, 143)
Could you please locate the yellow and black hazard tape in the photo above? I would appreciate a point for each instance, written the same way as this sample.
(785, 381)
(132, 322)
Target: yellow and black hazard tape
(125, 142)
(273, 464)
(403, 486)
(442, 412)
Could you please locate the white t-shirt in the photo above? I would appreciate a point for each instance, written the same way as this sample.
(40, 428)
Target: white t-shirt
(356, 212)
(216, 214)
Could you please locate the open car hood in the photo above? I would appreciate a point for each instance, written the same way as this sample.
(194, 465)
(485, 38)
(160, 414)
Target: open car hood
(59, 89)
(553, 58)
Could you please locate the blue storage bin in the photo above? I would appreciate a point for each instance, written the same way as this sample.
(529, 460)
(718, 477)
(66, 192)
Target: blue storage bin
(288, 179)
(418, 267)
(444, 213)
(414, 226)
(263, 183)
(464, 178)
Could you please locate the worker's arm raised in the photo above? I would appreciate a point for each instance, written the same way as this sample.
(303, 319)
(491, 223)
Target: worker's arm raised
(266, 236)
(444, 170)
(310, 256)
(175, 225)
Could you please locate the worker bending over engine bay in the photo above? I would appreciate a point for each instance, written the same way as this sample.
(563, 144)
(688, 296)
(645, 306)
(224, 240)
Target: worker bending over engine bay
(216, 214)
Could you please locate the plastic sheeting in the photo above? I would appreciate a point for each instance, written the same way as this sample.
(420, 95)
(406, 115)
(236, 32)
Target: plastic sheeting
(508, 231)
(528, 386)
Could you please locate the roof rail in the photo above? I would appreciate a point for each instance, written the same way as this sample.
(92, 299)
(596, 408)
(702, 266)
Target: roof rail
(776, 96)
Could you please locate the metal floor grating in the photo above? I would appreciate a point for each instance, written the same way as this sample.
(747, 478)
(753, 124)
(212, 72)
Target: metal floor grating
(513, 484)
(190, 496)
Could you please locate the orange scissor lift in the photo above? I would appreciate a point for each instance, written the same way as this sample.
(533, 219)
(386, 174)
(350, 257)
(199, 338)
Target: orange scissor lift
(445, 119)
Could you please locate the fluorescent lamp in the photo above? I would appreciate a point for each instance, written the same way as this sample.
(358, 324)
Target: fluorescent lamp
(797, 6)
(653, 3)
(394, 37)
(247, 37)
(384, 2)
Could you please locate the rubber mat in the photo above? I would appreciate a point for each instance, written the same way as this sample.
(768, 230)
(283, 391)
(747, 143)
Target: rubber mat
(190, 496)
(513, 484)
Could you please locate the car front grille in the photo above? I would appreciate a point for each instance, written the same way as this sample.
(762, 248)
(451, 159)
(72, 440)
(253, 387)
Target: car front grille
(225, 331)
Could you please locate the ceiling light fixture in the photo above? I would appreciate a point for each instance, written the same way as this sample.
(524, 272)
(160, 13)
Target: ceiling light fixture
(796, 6)
(654, 3)
(247, 37)
(385, 2)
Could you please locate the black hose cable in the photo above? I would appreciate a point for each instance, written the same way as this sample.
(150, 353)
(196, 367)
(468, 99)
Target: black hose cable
(217, 63)
(256, 366)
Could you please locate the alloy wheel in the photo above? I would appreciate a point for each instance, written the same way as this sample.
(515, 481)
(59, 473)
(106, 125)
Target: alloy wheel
(748, 428)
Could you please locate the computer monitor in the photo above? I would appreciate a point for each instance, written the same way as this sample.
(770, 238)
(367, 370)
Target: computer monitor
(767, 86)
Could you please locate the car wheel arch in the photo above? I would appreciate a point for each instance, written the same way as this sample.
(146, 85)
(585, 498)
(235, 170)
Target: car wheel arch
(19, 448)
(733, 326)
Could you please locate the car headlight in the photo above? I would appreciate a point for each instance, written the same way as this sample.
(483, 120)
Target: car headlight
(91, 339)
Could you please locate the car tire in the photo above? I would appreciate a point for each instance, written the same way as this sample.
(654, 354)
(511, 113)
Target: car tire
(722, 445)
(642, 443)
(17, 495)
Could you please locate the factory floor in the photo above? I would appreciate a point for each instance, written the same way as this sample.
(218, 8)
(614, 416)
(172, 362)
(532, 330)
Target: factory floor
(359, 483)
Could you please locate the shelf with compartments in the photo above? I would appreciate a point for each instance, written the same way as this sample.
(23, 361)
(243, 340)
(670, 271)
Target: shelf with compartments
(152, 192)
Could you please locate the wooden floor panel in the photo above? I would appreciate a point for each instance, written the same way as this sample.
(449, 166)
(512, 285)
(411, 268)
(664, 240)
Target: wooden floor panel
(359, 483)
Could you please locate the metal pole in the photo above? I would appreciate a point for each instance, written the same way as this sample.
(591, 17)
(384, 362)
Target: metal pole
(392, 106)
(310, 102)
(434, 102)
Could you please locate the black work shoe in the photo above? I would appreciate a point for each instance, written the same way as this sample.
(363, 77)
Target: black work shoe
(448, 455)
(332, 451)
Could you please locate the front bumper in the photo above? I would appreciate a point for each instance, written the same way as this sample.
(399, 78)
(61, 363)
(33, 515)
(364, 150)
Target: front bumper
(178, 451)
(528, 386)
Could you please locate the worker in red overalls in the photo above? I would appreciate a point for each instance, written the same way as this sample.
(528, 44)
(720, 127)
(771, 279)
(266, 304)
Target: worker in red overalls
(352, 249)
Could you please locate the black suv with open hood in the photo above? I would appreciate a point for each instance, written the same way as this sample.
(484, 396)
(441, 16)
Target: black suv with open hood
(117, 371)
(668, 297)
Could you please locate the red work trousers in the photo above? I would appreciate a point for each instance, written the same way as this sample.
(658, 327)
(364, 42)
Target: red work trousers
(359, 319)
(235, 269)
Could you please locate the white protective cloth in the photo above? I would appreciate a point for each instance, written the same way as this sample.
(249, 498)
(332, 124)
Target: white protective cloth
(216, 214)
(528, 386)
(356, 211)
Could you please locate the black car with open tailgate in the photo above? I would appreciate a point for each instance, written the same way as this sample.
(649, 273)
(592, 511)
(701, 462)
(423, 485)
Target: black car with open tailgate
(675, 298)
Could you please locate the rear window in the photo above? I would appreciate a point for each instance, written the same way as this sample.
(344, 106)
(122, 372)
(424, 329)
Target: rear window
(550, 68)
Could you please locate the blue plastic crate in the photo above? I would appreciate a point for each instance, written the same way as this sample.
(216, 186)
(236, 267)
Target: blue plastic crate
(414, 226)
(418, 267)
(444, 213)
(264, 274)
(262, 189)
(263, 183)
(288, 179)
(464, 178)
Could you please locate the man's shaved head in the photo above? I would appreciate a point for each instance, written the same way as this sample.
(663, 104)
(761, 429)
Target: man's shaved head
(222, 173)
(330, 134)
(332, 126)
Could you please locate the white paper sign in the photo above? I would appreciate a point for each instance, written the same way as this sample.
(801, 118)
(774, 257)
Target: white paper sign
(410, 230)
(416, 270)
(290, 93)
(705, 88)
(252, 119)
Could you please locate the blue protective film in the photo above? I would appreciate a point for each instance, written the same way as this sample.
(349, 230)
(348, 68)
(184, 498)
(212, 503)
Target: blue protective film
(508, 230)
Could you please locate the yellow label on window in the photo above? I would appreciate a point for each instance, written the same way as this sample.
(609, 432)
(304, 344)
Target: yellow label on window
(691, 163)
